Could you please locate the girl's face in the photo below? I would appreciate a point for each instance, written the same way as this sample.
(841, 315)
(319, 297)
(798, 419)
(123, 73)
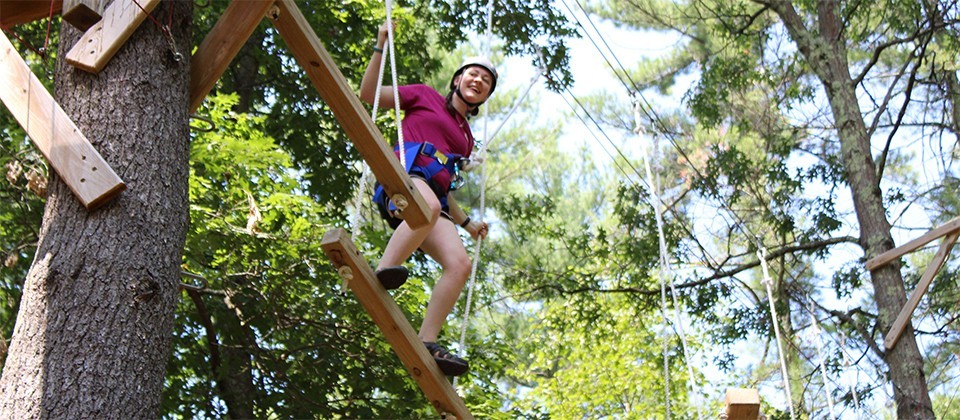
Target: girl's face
(475, 83)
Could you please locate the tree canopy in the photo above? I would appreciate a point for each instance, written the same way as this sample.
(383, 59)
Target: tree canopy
(573, 310)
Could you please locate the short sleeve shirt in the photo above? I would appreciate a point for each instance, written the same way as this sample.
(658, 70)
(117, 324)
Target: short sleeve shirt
(427, 120)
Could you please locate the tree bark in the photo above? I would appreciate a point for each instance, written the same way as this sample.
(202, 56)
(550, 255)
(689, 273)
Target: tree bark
(826, 53)
(93, 333)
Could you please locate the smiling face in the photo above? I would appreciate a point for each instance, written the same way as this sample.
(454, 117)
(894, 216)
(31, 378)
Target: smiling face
(475, 83)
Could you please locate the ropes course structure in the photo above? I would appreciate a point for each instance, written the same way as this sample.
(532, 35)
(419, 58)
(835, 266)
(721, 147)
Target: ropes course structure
(644, 106)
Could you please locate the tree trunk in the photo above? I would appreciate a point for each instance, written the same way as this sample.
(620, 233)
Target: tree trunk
(93, 334)
(826, 53)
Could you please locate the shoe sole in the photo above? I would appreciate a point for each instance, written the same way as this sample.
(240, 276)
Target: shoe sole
(393, 277)
(451, 368)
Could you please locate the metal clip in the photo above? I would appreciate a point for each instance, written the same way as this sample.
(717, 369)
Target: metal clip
(173, 45)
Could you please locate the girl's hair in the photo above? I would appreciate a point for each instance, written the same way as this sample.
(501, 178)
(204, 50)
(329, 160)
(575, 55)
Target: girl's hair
(470, 113)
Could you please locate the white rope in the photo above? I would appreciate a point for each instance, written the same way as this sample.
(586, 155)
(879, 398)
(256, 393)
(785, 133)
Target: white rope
(666, 273)
(846, 365)
(762, 255)
(365, 172)
(483, 188)
(823, 364)
(396, 89)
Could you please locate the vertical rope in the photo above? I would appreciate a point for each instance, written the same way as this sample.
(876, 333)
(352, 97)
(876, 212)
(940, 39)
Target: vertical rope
(823, 364)
(666, 275)
(483, 188)
(762, 255)
(846, 365)
(396, 91)
(365, 172)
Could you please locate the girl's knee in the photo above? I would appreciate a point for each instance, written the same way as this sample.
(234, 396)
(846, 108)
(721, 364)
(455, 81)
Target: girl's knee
(460, 268)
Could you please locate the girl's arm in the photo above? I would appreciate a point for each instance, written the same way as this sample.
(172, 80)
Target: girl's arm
(368, 86)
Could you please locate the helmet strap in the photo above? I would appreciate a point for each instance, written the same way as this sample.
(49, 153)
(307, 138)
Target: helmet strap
(469, 104)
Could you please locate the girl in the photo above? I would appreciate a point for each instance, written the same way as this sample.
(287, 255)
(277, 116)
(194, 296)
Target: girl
(437, 135)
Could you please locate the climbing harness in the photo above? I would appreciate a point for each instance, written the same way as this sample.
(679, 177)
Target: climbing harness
(422, 160)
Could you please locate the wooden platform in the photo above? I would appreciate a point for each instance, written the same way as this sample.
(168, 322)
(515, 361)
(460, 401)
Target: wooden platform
(339, 247)
(950, 231)
(16, 12)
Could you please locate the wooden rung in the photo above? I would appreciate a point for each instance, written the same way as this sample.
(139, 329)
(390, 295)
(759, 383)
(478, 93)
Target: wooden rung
(337, 93)
(907, 311)
(102, 41)
(16, 12)
(743, 404)
(884, 258)
(53, 132)
(339, 248)
(222, 44)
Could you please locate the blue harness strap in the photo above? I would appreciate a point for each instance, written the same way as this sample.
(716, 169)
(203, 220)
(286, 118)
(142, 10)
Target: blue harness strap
(428, 170)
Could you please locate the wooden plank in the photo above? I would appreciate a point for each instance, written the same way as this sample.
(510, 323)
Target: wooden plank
(83, 14)
(337, 93)
(907, 311)
(222, 44)
(743, 404)
(53, 132)
(886, 257)
(339, 247)
(16, 12)
(102, 41)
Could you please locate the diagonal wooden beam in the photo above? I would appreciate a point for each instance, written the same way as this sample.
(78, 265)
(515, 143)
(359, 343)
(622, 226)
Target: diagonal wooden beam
(304, 44)
(102, 41)
(222, 44)
(339, 247)
(16, 12)
(886, 257)
(907, 311)
(53, 132)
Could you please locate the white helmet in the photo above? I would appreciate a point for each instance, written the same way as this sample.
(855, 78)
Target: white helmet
(476, 61)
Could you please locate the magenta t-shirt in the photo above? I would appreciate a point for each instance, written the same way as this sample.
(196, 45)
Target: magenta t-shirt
(426, 120)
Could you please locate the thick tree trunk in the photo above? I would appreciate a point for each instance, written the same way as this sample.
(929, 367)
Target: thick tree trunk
(93, 333)
(825, 51)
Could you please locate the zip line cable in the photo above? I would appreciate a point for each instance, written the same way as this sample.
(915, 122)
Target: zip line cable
(602, 55)
(616, 163)
(658, 122)
(666, 274)
(603, 39)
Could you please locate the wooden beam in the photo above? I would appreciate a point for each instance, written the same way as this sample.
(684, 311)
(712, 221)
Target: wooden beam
(222, 44)
(742, 404)
(907, 311)
(53, 132)
(884, 258)
(339, 247)
(337, 93)
(83, 14)
(102, 41)
(16, 12)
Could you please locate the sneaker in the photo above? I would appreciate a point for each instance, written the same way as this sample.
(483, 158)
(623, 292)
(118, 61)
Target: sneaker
(393, 277)
(449, 363)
